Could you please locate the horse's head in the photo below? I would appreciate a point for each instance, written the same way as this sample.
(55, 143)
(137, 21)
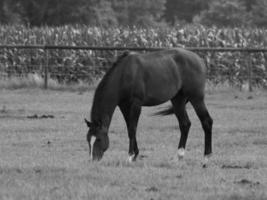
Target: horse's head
(97, 139)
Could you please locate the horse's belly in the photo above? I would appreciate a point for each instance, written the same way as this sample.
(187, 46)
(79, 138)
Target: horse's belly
(153, 102)
(159, 84)
(158, 95)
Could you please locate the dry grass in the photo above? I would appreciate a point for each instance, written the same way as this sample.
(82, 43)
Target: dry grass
(48, 158)
(34, 81)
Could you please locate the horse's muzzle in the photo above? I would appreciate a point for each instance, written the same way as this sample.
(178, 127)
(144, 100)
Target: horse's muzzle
(97, 155)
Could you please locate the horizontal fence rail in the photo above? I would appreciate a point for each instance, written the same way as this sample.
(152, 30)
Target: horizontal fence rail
(106, 48)
(245, 73)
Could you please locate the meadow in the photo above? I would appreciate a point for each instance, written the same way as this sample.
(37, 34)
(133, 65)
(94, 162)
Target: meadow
(44, 153)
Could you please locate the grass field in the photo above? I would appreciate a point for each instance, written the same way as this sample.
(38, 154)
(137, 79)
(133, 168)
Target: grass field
(44, 154)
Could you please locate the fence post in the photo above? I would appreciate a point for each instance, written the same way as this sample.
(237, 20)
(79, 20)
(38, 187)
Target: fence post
(46, 69)
(250, 72)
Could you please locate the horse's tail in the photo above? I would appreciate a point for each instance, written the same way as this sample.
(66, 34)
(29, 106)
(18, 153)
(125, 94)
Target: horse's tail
(168, 111)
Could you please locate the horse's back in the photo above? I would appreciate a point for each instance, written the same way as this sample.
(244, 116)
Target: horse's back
(158, 76)
(171, 62)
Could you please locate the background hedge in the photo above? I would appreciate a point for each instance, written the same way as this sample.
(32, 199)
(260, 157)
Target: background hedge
(81, 65)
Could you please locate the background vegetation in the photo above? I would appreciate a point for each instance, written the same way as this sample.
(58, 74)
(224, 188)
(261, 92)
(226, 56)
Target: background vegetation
(73, 66)
(134, 12)
(135, 23)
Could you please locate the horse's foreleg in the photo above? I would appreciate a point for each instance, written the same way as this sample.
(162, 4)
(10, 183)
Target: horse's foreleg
(131, 113)
(184, 123)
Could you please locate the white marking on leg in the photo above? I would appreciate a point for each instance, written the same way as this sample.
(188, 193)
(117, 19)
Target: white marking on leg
(181, 153)
(131, 158)
(92, 142)
(206, 160)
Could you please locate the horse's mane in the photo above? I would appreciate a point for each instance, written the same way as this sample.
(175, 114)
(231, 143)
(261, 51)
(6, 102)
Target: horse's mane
(118, 60)
(103, 83)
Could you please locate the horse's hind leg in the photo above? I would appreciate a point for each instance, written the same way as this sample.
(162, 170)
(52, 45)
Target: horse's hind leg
(131, 113)
(206, 122)
(179, 103)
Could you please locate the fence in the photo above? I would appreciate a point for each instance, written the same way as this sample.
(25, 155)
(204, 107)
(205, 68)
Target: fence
(47, 60)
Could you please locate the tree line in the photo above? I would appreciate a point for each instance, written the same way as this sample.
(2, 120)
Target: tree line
(145, 13)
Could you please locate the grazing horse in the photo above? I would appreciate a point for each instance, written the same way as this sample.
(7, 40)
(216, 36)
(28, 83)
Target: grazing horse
(149, 79)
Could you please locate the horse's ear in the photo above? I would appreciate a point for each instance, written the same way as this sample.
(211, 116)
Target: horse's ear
(89, 124)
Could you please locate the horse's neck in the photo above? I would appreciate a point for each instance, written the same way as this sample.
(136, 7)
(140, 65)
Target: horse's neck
(105, 101)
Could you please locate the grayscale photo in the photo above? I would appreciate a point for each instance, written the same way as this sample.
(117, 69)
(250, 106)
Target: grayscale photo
(133, 99)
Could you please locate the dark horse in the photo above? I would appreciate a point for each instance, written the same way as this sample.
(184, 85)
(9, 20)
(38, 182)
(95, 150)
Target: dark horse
(149, 79)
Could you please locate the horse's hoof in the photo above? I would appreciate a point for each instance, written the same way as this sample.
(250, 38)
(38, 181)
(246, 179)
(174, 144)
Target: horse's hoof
(181, 153)
(131, 158)
(206, 161)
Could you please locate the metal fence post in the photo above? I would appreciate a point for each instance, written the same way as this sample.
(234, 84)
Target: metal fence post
(46, 68)
(250, 72)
